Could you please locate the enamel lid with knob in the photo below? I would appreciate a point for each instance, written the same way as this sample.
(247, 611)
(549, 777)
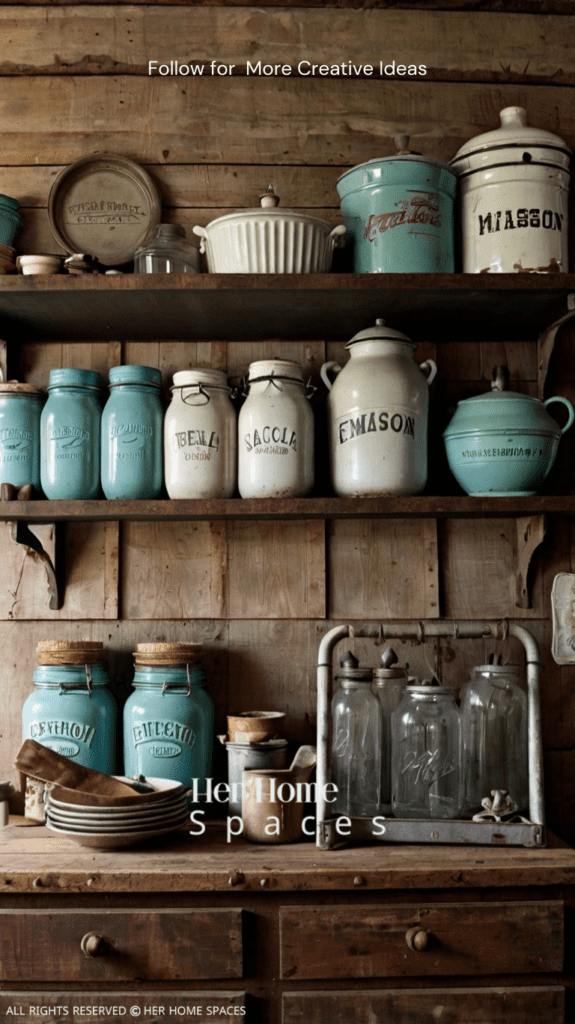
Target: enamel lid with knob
(513, 133)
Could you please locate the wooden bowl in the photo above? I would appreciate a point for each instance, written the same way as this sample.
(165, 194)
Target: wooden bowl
(254, 726)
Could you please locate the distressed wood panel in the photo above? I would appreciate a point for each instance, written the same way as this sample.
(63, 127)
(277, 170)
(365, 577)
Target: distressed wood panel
(154, 945)
(512, 6)
(489, 938)
(383, 570)
(542, 1005)
(105, 40)
(335, 122)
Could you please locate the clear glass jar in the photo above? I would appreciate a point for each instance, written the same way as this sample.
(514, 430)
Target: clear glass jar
(357, 727)
(276, 433)
(200, 436)
(132, 420)
(70, 435)
(494, 725)
(167, 253)
(389, 682)
(426, 777)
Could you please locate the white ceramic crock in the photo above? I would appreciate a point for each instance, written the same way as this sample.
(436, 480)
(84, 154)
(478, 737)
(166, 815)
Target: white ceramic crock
(276, 454)
(377, 411)
(268, 241)
(200, 443)
(513, 185)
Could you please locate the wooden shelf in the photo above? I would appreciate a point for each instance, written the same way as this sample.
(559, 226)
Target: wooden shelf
(453, 307)
(422, 507)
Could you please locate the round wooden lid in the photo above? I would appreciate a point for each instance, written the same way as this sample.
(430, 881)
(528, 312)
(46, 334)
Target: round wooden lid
(167, 654)
(70, 652)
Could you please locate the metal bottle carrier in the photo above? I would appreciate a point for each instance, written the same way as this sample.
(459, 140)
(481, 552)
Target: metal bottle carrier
(402, 830)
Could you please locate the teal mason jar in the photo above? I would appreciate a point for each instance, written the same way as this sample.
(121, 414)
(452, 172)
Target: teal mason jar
(169, 724)
(132, 434)
(72, 711)
(70, 435)
(20, 411)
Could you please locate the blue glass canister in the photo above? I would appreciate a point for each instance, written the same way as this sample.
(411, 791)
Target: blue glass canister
(132, 434)
(399, 211)
(169, 719)
(71, 709)
(70, 435)
(20, 410)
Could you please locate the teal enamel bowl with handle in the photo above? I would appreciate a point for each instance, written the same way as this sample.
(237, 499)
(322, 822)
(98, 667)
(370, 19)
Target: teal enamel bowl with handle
(503, 443)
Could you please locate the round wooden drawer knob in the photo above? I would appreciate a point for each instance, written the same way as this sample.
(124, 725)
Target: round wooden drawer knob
(93, 944)
(417, 939)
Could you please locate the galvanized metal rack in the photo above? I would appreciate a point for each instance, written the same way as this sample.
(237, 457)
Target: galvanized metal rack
(396, 830)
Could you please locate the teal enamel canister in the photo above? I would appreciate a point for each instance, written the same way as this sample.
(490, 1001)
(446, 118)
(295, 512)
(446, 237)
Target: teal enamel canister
(20, 411)
(132, 434)
(10, 219)
(169, 725)
(70, 435)
(72, 711)
(399, 212)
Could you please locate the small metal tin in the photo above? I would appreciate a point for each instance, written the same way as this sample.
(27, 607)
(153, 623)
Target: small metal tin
(106, 205)
(250, 757)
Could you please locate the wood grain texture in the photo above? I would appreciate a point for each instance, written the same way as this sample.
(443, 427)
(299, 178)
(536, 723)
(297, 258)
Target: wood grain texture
(108, 40)
(465, 939)
(541, 1005)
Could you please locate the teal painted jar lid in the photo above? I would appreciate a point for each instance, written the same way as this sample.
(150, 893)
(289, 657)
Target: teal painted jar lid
(66, 377)
(72, 676)
(148, 375)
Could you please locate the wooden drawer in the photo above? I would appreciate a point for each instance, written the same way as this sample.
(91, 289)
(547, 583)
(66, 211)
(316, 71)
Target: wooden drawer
(459, 938)
(121, 1007)
(427, 1006)
(46, 945)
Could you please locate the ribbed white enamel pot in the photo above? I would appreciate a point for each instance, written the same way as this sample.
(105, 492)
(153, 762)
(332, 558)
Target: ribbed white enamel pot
(268, 241)
(513, 184)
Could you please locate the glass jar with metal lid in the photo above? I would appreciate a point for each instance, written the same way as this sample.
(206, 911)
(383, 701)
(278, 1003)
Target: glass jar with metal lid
(70, 435)
(356, 741)
(131, 434)
(20, 412)
(426, 776)
(168, 252)
(276, 432)
(200, 436)
(389, 682)
(71, 710)
(514, 183)
(494, 725)
(169, 719)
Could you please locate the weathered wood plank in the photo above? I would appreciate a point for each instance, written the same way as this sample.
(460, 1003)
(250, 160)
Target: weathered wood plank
(511, 6)
(112, 40)
(327, 122)
(542, 1005)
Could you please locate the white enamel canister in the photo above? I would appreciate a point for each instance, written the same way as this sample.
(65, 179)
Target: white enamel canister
(377, 412)
(200, 440)
(514, 184)
(276, 435)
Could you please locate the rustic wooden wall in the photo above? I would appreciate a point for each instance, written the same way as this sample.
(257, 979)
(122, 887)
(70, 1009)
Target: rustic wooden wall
(260, 595)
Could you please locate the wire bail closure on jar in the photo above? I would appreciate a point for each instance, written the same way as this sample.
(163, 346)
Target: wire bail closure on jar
(273, 378)
(194, 390)
(177, 686)
(80, 686)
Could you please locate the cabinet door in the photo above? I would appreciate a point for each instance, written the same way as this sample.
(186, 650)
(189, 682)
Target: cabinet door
(425, 1006)
(120, 945)
(421, 940)
(121, 1007)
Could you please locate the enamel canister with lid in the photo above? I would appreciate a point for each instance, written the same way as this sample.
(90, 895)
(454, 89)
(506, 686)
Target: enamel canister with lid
(169, 719)
(389, 682)
(503, 442)
(200, 436)
(494, 725)
(426, 776)
(70, 435)
(399, 211)
(357, 727)
(377, 416)
(514, 185)
(71, 710)
(276, 433)
(131, 434)
(20, 412)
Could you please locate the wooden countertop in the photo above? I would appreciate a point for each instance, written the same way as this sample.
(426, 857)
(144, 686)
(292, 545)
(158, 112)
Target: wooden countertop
(33, 859)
